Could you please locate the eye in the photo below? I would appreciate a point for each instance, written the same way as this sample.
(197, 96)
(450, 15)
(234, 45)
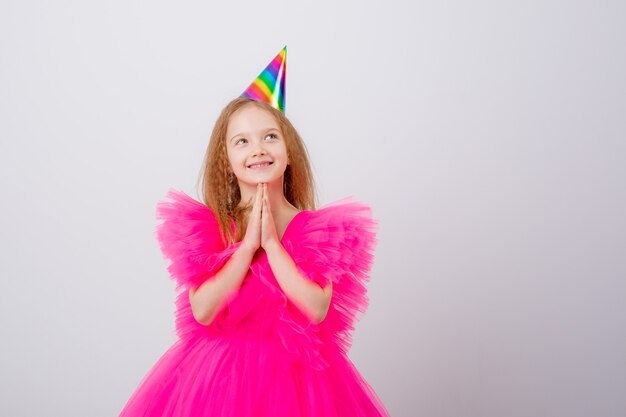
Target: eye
(239, 140)
(272, 135)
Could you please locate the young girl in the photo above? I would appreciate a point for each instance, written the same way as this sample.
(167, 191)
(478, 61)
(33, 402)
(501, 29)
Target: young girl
(269, 287)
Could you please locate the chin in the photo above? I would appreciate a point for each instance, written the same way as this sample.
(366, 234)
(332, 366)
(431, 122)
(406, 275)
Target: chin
(255, 179)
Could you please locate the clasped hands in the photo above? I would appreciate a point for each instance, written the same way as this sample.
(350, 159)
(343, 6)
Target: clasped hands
(261, 230)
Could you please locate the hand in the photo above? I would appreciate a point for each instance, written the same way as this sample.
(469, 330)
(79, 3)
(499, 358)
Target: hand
(269, 236)
(252, 238)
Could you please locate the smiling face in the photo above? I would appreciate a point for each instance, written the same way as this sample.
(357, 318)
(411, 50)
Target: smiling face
(255, 146)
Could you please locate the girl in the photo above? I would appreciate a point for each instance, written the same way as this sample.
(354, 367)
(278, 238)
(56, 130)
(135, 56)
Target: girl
(269, 287)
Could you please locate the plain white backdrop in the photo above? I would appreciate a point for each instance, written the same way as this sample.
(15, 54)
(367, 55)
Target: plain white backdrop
(488, 136)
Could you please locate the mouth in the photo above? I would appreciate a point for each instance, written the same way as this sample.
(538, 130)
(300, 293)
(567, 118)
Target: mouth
(260, 165)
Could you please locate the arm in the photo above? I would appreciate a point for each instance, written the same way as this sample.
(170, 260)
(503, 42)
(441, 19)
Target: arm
(305, 294)
(207, 300)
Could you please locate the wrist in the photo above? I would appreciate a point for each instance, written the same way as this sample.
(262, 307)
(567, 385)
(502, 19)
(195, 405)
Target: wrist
(272, 247)
(247, 249)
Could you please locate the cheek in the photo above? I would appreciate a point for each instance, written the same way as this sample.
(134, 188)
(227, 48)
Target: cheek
(234, 160)
(284, 153)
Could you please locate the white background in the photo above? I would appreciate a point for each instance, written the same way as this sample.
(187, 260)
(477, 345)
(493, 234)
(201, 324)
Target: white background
(488, 136)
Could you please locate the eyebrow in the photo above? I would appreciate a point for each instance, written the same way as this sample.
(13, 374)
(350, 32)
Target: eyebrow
(267, 129)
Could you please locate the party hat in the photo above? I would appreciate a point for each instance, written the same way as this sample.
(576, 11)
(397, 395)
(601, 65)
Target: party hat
(269, 86)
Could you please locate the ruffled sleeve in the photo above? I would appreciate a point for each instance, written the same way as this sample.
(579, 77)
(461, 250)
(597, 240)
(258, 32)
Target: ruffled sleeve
(336, 243)
(189, 237)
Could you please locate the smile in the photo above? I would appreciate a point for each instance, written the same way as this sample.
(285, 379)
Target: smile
(260, 166)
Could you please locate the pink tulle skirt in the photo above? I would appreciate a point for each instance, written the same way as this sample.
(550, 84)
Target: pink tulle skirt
(251, 376)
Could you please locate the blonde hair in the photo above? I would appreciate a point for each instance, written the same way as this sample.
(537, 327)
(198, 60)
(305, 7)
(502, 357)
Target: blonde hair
(220, 190)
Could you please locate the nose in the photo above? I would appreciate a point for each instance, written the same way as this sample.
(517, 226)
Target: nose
(258, 148)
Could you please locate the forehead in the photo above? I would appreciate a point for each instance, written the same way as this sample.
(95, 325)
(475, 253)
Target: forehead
(250, 119)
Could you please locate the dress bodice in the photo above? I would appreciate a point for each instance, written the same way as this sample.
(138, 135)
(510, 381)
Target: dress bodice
(334, 243)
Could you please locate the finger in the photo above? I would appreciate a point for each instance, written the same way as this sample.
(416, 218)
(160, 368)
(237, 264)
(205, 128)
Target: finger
(263, 212)
(258, 196)
(267, 213)
(264, 201)
(253, 199)
(264, 194)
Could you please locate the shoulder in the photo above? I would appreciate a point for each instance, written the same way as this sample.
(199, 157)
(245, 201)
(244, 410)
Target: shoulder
(186, 221)
(189, 237)
(346, 211)
(335, 223)
(178, 207)
(178, 203)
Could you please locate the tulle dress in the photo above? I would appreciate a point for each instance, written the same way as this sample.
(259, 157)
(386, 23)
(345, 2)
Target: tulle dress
(261, 356)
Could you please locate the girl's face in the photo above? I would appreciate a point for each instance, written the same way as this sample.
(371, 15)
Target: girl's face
(256, 148)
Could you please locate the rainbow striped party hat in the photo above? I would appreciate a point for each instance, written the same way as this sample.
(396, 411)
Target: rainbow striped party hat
(269, 86)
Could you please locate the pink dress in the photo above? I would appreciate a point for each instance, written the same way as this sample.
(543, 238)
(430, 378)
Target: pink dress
(261, 356)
